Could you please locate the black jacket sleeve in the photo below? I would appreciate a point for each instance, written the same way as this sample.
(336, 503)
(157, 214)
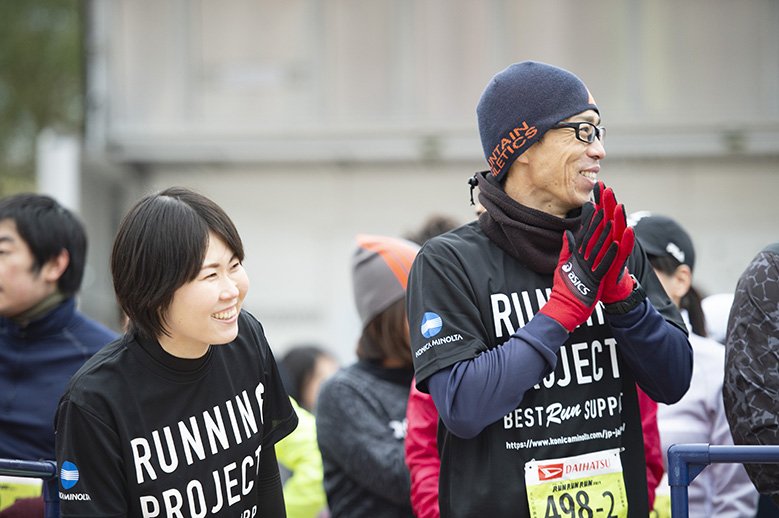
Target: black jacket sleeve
(269, 488)
(751, 386)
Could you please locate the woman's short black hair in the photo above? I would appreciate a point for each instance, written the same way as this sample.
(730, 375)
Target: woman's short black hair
(160, 246)
(48, 228)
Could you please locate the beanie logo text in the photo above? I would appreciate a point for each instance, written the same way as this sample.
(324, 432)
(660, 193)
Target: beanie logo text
(508, 145)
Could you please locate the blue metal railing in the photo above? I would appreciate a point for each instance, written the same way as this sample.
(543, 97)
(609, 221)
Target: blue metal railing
(686, 461)
(43, 469)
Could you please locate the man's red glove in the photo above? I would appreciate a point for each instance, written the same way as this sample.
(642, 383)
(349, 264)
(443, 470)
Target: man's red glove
(618, 284)
(579, 275)
(604, 201)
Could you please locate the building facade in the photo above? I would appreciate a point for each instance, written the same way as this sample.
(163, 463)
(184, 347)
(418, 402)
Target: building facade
(313, 120)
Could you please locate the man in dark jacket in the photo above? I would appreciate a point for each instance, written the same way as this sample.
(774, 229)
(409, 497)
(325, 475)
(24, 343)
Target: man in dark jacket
(751, 384)
(43, 338)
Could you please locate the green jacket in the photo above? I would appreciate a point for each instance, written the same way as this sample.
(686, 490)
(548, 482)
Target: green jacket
(304, 495)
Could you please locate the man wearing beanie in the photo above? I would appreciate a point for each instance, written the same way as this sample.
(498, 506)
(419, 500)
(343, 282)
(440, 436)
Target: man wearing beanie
(361, 409)
(723, 489)
(531, 326)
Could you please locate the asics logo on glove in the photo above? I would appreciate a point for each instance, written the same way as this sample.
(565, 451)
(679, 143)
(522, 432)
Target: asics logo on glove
(575, 282)
(578, 284)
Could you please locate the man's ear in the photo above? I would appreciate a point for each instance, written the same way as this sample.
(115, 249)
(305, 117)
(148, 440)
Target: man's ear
(524, 158)
(53, 269)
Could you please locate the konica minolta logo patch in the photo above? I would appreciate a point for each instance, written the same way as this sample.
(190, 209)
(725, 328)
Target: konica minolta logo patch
(431, 325)
(68, 475)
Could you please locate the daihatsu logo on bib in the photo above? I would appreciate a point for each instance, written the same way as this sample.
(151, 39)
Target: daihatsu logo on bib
(550, 471)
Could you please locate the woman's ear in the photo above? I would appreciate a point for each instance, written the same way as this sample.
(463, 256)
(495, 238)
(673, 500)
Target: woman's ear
(682, 281)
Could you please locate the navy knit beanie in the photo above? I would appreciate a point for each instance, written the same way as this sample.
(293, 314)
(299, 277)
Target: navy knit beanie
(523, 102)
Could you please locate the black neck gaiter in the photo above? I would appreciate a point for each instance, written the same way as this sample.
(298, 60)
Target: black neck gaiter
(532, 237)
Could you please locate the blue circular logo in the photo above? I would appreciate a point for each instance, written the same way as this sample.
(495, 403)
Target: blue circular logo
(431, 325)
(68, 475)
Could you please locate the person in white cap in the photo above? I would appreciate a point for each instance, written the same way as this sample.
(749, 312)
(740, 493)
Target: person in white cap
(722, 489)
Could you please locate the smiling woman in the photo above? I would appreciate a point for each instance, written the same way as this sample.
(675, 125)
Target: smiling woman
(181, 414)
(162, 244)
(205, 310)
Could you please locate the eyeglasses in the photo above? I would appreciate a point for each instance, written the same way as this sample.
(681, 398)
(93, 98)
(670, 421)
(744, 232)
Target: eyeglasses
(585, 131)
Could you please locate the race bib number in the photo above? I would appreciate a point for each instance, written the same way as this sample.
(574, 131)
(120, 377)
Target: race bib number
(584, 486)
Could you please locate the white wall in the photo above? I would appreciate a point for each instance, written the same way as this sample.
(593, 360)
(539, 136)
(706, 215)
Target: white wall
(728, 205)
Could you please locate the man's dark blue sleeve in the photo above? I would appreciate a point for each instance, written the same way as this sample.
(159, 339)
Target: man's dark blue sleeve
(472, 394)
(657, 352)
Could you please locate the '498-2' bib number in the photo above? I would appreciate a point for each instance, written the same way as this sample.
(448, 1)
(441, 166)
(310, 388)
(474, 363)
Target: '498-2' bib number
(584, 486)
